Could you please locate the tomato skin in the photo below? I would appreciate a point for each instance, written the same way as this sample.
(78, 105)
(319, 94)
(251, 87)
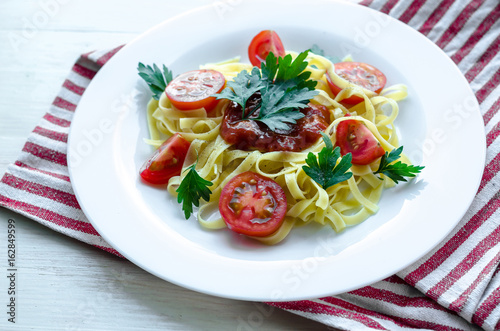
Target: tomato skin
(354, 137)
(262, 44)
(166, 162)
(352, 100)
(361, 74)
(194, 89)
(253, 205)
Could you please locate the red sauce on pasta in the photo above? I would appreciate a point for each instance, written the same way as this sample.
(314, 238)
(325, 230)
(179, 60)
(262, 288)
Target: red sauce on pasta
(253, 135)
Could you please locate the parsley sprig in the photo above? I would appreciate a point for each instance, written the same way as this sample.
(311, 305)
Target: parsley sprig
(284, 89)
(155, 78)
(324, 169)
(192, 188)
(396, 171)
(317, 50)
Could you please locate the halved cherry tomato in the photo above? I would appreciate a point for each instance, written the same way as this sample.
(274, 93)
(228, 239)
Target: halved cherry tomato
(361, 74)
(194, 89)
(253, 205)
(167, 161)
(354, 137)
(262, 44)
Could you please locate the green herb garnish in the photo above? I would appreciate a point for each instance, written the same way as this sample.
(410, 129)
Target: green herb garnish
(396, 171)
(317, 50)
(284, 89)
(155, 78)
(192, 188)
(324, 169)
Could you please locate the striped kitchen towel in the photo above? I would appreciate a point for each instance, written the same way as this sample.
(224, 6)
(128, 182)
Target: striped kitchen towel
(454, 287)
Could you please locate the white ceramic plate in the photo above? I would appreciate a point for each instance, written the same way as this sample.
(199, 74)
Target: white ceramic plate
(146, 225)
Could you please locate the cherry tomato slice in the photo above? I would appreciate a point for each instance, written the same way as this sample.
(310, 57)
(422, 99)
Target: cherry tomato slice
(167, 161)
(361, 74)
(194, 89)
(262, 44)
(253, 205)
(354, 137)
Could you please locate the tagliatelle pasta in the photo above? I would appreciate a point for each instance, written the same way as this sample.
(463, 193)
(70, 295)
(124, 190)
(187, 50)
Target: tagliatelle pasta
(339, 206)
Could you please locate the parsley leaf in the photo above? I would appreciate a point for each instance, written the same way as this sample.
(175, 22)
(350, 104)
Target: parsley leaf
(155, 78)
(243, 86)
(192, 188)
(396, 171)
(324, 169)
(284, 89)
(317, 50)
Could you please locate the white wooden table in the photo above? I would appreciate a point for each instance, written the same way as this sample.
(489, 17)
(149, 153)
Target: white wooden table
(62, 283)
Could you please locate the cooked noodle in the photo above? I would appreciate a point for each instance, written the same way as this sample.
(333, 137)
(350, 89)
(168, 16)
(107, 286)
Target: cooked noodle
(345, 204)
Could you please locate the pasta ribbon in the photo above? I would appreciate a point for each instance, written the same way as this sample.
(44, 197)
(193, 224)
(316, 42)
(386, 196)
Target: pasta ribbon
(342, 205)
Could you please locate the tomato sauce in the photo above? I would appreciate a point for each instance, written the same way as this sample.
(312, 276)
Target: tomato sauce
(253, 135)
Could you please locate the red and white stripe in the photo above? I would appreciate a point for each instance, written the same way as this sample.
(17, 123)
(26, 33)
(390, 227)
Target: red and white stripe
(37, 185)
(387, 305)
(455, 287)
(459, 281)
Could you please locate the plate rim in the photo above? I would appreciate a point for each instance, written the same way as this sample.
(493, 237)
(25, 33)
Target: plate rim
(72, 138)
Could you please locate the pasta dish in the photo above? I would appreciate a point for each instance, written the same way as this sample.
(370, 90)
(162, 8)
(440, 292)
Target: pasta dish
(338, 187)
